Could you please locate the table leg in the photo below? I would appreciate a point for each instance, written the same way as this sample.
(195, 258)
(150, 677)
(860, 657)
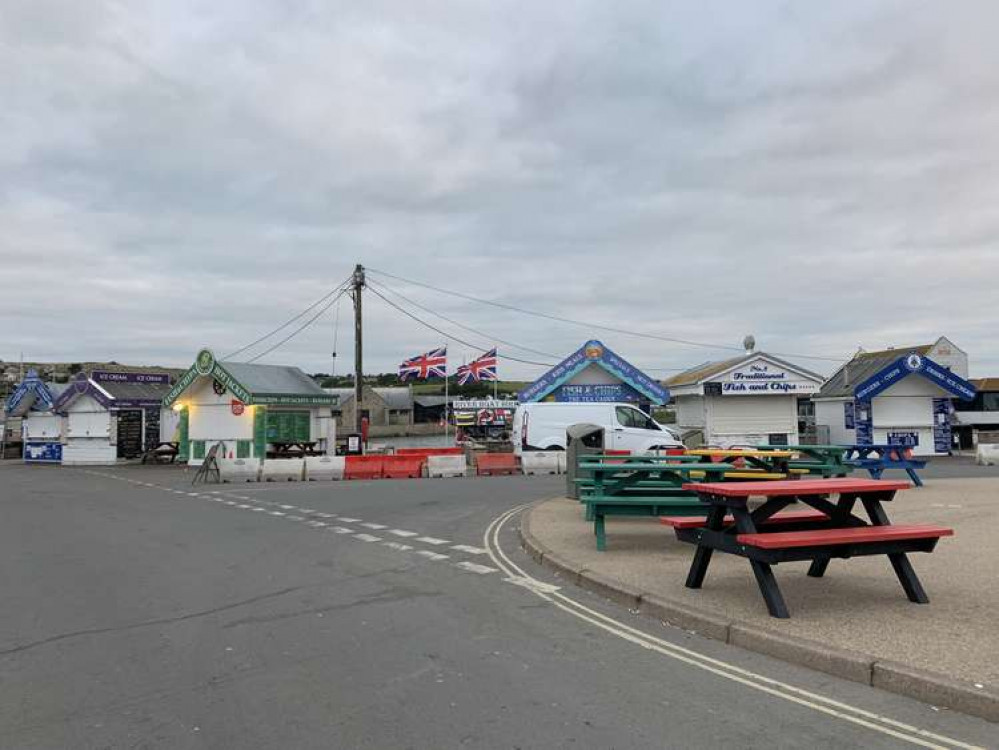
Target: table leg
(702, 557)
(598, 528)
(844, 507)
(768, 587)
(914, 477)
(899, 560)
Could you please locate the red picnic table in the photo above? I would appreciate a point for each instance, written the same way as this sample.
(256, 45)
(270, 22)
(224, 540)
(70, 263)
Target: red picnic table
(767, 537)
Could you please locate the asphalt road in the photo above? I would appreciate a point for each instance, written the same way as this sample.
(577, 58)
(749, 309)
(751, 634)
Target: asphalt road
(364, 615)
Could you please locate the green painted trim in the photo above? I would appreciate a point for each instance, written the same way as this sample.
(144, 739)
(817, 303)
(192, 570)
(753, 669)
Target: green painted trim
(198, 447)
(260, 431)
(243, 448)
(181, 385)
(183, 427)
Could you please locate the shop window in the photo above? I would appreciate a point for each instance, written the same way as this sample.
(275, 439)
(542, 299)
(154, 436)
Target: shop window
(243, 448)
(198, 446)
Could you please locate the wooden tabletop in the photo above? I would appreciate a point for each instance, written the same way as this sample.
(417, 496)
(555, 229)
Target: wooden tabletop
(796, 487)
(736, 452)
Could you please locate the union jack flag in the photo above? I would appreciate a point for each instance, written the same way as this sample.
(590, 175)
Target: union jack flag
(433, 364)
(483, 368)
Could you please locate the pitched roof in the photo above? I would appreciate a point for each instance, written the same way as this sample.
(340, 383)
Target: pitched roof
(863, 365)
(708, 370)
(282, 379)
(394, 398)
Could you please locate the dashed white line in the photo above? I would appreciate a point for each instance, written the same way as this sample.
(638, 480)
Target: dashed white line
(341, 530)
(287, 507)
(475, 567)
(367, 537)
(402, 532)
(294, 518)
(431, 540)
(326, 515)
(470, 549)
(193, 494)
(316, 524)
(432, 555)
(375, 526)
(244, 506)
(349, 520)
(276, 513)
(259, 510)
(398, 546)
(308, 510)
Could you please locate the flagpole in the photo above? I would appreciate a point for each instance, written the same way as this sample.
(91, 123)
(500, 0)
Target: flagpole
(445, 403)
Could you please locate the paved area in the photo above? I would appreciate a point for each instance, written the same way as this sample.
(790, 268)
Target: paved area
(858, 604)
(141, 613)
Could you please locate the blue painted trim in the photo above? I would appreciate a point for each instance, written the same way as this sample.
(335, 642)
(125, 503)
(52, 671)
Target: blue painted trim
(594, 352)
(903, 367)
(31, 384)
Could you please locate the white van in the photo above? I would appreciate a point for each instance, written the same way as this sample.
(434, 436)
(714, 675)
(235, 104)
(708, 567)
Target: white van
(541, 426)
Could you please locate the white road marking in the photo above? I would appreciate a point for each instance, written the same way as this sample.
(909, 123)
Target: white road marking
(349, 520)
(326, 515)
(317, 524)
(308, 510)
(287, 507)
(294, 518)
(259, 510)
(244, 506)
(431, 540)
(375, 526)
(367, 537)
(230, 502)
(276, 513)
(398, 546)
(470, 549)
(341, 530)
(475, 567)
(192, 494)
(403, 532)
(786, 691)
(431, 554)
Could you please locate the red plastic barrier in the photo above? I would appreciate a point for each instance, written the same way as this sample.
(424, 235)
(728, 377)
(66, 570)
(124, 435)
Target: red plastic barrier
(491, 464)
(364, 467)
(403, 467)
(455, 451)
(610, 452)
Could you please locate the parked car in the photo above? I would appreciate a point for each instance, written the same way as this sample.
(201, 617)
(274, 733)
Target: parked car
(541, 426)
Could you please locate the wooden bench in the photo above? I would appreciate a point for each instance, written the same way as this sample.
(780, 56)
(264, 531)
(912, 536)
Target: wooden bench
(664, 503)
(849, 536)
(784, 517)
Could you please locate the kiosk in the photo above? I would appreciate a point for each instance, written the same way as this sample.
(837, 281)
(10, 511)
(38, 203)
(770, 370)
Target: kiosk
(41, 428)
(250, 409)
(108, 416)
(595, 373)
(897, 397)
(747, 400)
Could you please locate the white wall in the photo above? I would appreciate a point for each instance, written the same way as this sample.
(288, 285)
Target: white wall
(751, 419)
(945, 353)
(89, 434)
(831, 414)
(593, 374)
(169, 422)
(42, 426)
(690, 411)
(211, 416)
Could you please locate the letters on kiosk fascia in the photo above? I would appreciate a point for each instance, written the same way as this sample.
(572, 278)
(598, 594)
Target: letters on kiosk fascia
(760, 378)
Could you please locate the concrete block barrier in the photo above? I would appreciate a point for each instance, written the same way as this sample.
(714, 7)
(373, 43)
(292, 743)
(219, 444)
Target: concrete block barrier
(239, 469)
(403, 467)
(446, 466)
(540, 462)
(324, 468)
(364, 467)
(987, 454)
(282, 470)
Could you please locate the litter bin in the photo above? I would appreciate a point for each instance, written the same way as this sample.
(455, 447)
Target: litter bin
(580, 440)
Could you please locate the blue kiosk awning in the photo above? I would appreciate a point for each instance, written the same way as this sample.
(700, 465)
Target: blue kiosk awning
(634, 385)
(914, 364)
(31, 394)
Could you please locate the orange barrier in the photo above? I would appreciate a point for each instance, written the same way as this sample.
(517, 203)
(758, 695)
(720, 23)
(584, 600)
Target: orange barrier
(455, 451)
(364, 467)
(403, 467)
(491, 464)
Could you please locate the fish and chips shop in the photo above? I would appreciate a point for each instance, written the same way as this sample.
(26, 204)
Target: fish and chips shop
(747, 400)
(250, 409)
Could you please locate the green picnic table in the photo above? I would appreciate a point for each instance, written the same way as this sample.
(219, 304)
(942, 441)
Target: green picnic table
(820, 460)
(649, 488)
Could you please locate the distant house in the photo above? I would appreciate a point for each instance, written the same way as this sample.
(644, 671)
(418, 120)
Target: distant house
(980, 414)
(384, 407)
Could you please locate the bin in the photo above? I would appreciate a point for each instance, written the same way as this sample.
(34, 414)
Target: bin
(580, 440)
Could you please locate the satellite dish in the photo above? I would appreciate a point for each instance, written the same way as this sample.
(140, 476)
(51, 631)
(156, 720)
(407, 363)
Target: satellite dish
(749, 343)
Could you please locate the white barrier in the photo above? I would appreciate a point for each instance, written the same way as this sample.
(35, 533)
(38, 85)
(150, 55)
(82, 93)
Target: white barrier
(282, 469)
(446, 466)
(561, 461)
(239, 469)
(324, 467)
(540, 462)
(987, 454)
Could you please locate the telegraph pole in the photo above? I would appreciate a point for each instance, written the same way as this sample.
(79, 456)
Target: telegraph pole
(358, 368)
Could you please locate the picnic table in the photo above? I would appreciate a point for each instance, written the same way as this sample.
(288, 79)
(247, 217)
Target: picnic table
(877, 458)
(648, 486)
(825, 460)
(768, 460)
(163, 452)
(293, 450)
(731, 527)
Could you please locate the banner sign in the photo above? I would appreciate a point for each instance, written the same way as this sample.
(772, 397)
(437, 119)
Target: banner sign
(596, 393)
(864, 420)
(43, 453)
(102, 376)
(915, 363)
(941, 425)
(594, 352)
(848, 418)
(903, 439)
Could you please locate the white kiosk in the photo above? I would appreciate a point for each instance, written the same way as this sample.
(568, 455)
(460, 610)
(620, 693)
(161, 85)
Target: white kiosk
(747, 400)
(247, 408)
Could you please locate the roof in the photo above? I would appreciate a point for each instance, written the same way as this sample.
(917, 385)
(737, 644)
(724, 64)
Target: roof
(986, 384)
(282, 379)
(429, 401)
(594, 353)
(394, 397)
(708, 370)
(863, 365)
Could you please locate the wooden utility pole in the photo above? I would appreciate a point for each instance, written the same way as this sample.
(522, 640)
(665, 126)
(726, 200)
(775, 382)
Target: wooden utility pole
(358, 339)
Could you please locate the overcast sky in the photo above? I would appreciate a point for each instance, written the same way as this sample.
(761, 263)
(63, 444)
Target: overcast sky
(179, 174)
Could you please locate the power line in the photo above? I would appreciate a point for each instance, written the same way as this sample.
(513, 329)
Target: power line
(446, 335)
(288, 322)
(301, 328)
(591, 325)
(477, 332)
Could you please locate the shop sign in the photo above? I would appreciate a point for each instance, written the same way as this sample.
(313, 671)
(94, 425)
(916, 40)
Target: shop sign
(848, 415)
(102, 376)
(903, 439)
(595, 393)
(43, 453)
(761, 378)
(941, 425)
(914, 363)
(274, 399)
(238, 407)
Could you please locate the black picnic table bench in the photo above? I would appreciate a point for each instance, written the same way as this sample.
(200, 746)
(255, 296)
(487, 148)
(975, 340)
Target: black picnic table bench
(730, 526)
